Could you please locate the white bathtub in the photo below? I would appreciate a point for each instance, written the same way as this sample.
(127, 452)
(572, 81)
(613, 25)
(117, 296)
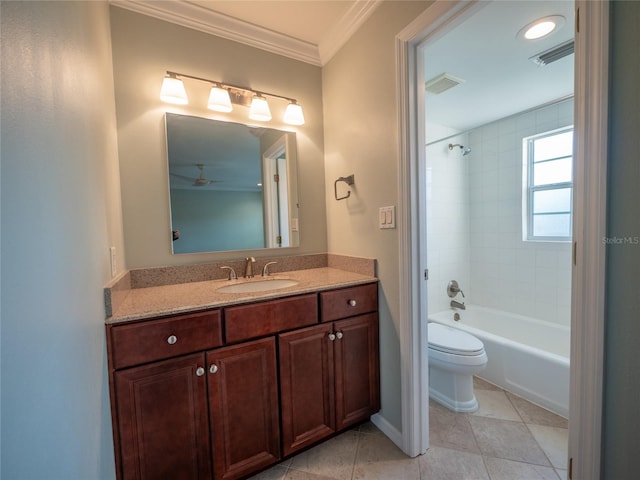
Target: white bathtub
(528, 357)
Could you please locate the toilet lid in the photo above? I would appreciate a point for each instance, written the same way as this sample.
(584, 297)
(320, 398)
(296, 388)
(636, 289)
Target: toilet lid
(451, 340)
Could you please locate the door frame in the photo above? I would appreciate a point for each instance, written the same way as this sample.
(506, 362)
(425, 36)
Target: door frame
(589, 227)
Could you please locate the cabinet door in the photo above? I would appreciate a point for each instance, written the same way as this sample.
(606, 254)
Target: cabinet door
(243, 400)
(306, 383)
(162, 417)
(357, 369)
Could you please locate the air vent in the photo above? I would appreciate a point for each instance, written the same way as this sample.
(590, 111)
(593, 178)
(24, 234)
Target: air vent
(553, 54)
(442, 83)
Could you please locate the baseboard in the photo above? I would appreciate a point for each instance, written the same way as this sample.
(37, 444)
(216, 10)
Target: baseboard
(388, 429)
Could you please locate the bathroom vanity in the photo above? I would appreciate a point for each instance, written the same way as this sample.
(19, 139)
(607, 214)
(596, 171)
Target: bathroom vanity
(226, 391)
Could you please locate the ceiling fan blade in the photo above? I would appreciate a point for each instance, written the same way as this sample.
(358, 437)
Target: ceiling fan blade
(189, 179)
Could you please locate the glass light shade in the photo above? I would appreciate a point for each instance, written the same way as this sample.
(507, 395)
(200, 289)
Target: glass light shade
(293, 114)
(173, 91)
(540, 29)
(259, 109)
(219, 100)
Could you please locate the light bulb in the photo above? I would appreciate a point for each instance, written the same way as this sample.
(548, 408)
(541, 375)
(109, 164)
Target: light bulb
(173, 91)
(539, 30)
(293, 114)
(259, 109)
(219, 99)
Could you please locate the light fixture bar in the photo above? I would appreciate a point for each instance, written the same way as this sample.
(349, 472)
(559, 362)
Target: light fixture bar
(240, 94)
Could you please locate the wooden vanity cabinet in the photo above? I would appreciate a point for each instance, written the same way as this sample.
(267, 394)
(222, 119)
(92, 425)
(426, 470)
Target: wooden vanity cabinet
(225, 393)
(329, 373)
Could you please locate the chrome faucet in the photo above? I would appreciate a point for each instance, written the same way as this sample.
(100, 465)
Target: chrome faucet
(248, 268)
(265, 269)
(459, 305)
(232, 272)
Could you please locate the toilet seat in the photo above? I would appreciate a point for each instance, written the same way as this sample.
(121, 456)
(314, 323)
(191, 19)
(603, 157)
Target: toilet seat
(445, 339)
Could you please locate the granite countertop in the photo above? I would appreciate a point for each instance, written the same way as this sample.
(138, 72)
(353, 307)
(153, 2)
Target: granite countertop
(142, 303)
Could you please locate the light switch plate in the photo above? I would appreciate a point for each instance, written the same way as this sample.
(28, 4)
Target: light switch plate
(387, 217)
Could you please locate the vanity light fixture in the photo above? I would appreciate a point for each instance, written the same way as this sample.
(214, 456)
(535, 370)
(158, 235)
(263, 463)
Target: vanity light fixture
(541, 27)
(224, 95)
(259, 109)
(293, 114)
(219, 99)
(173, 91)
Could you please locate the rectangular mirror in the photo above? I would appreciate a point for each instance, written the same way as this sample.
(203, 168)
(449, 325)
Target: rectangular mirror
(231, 186)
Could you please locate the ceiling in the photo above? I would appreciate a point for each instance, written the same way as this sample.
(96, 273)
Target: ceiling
(483, 48)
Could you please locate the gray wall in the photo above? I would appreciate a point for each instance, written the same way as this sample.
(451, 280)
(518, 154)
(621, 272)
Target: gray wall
(60, 211)
(360, 111)
(621, 448)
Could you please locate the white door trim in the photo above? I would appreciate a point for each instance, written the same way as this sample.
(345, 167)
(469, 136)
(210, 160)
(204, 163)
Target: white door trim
(589, 226)
(587, 344)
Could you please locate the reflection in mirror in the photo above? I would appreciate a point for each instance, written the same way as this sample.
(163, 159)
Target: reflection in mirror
(231, 186)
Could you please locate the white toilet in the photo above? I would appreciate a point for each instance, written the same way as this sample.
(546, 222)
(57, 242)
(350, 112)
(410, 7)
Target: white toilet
(454, 357)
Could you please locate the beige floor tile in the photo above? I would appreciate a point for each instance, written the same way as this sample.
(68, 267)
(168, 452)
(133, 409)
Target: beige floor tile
(536, 415)
(500, 469)
(446, 464)
(300, 475)
(508, 440)
(554, 441)
(379, 458)
(450, 430)
(274, 473)
(368, 427)
(481, 384)
(495, 404)
(333, 458)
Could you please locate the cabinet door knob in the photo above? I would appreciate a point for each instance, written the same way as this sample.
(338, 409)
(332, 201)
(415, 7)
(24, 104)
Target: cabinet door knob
(339, 335)
(172, 339)
(353, 303)
(332, 336)
(213, 368)
(199, 371)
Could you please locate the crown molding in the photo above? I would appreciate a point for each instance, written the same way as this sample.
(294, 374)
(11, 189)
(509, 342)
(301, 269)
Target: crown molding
(196, 17)
(342, 31)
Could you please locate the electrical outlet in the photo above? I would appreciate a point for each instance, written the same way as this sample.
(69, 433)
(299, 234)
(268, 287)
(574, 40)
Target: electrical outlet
(112, 258)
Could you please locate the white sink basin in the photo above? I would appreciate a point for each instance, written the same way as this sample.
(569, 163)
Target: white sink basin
(257, 286)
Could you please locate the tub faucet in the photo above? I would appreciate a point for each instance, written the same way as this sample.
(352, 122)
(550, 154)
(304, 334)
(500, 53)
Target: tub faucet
(248, 268)
(459, 305)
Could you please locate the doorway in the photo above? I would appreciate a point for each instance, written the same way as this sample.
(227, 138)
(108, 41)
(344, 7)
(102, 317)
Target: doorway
(589, 200)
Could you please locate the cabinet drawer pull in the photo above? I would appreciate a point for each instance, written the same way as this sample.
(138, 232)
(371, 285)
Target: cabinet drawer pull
(332, 336)
(172, 339)
(213, 368)
(199, 371)
(339, 335)
(353, 303)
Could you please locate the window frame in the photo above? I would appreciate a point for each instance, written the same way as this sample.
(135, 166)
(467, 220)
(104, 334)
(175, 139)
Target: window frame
(531, 189)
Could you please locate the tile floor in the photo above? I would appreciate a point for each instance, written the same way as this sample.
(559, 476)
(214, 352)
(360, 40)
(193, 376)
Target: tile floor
(508, 438)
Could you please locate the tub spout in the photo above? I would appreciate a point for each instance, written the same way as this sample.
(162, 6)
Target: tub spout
(459, 305)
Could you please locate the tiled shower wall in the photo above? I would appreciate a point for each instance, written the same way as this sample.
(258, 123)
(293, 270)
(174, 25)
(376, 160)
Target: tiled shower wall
(504, 272)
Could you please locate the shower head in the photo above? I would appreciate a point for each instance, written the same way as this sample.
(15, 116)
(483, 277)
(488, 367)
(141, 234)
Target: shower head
(463, 149)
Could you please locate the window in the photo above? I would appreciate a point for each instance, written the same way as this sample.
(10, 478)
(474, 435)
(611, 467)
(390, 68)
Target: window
(549, 170)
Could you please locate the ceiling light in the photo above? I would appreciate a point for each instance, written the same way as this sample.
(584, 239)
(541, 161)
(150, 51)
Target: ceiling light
(173, 91)
(293, 114)
(541, 27)
(259, 109)
(219, 99)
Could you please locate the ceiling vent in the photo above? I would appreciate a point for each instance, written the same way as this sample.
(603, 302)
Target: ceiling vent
(553, 54)
(442, 83)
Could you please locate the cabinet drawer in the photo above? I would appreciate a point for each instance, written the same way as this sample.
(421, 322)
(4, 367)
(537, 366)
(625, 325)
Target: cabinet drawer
(157, 339)
(265, 318)
(348, 302)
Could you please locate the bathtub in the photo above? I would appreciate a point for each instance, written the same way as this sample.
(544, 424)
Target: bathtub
(528, 357)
